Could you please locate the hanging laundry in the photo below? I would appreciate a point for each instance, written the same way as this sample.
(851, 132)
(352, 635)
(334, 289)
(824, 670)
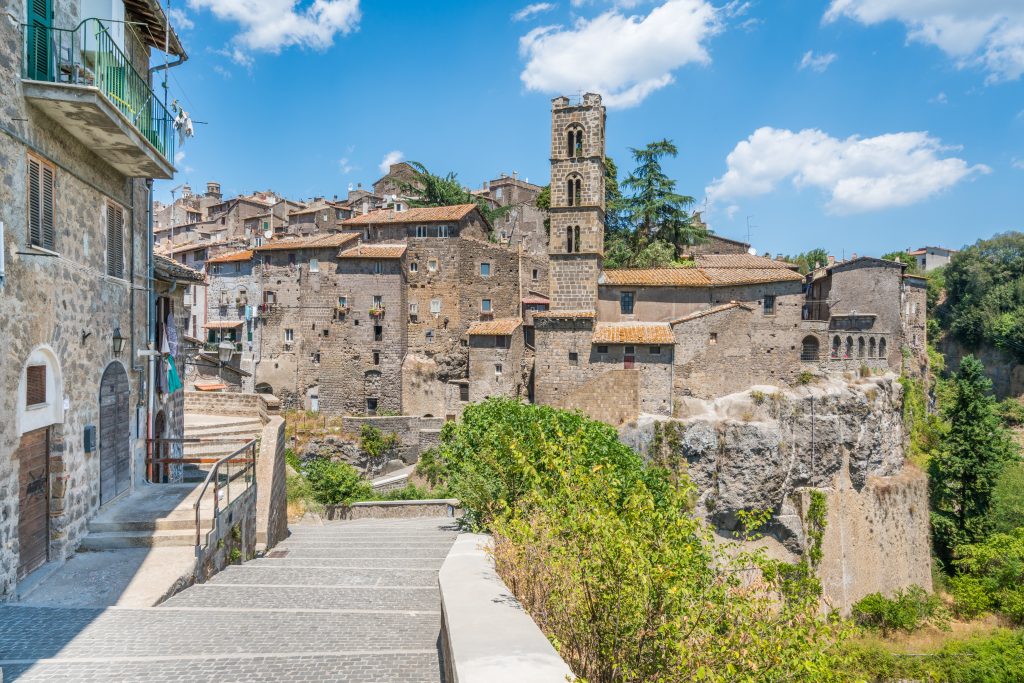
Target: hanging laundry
(172, 335)
(183, 124)
(173, 381)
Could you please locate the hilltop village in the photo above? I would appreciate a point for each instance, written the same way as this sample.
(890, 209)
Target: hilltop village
(369, 305)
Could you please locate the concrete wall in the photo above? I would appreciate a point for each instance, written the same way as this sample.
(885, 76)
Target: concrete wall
(271, 486)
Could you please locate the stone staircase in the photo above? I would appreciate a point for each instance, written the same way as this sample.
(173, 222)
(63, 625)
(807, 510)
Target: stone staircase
(221, 435)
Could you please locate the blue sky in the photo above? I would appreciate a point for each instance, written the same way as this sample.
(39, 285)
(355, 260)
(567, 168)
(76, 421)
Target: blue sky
(855, 125)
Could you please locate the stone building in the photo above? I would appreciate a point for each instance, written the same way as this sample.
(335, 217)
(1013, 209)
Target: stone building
(523, 224)
(75, 201)
(391, 184)
(232, 297)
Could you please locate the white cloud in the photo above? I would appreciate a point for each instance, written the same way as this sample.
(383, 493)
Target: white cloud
(392, 157)
(1018, 164)
(221, 71)
(731, 211)
(270, 25)
(859, 174)
(815, 62)
(987, 33)
(180, 20)
(625, 58)
(530, 10)
(939, 99)
(345, 164)
(179, 162)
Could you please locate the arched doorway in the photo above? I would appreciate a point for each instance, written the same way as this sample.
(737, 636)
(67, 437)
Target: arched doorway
(115, 420)
(809, 349)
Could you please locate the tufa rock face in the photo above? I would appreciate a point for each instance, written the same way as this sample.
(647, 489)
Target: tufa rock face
(766, 448)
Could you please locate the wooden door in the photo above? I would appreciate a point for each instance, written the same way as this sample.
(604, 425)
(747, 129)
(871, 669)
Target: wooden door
(33, 500)
(115, 453)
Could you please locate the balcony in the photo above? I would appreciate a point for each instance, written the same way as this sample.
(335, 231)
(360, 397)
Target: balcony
(82, 80)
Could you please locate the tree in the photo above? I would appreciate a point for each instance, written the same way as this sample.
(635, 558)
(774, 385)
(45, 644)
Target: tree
(809, 260)
(974, 452)
(429, 189)
(654, 208)
(903, 257)
(376, 445)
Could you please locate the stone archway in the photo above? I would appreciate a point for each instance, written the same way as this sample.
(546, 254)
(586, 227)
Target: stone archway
(115, 421)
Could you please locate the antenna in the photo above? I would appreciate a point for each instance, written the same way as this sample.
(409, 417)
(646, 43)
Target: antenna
(750, 227)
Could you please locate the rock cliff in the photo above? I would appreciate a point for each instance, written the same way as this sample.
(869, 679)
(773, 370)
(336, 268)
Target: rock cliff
(764, 448)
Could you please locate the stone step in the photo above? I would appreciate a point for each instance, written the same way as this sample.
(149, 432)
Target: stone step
(364, 563)
(240, 426)
(29, 633)
(113, 540)
(324, 576)
(182, 523)
(225, 596)
(342, 553)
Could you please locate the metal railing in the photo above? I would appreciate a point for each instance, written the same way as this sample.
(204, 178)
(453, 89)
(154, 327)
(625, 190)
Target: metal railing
(88, 55)
(244, 460)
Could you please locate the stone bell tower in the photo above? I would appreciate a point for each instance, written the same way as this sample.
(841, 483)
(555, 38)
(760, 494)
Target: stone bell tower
(576, 242)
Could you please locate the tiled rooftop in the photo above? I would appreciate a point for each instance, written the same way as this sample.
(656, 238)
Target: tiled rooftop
(741, 261)
(232, 257)
(655, 277)
(501, 326)
(711, 311)
(331, 240)
(425, 214)
(565, 314)
(633, 333)
(379, 251)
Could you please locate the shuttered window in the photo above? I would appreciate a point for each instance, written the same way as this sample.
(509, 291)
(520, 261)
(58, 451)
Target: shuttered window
(35, 385)
(115, 240)
(41, 180)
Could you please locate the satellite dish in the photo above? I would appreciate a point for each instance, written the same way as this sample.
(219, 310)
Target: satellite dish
(752, 251)
(268, 233)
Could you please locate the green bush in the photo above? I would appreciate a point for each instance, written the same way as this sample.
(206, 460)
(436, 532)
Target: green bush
(1007, 510)
(994, 658)
(334, 483)
(410, 492)
(1012, 412)
(908, 610)
(991, 575)
(971, 597)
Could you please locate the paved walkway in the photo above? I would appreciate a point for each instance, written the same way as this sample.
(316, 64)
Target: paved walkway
(344, 601)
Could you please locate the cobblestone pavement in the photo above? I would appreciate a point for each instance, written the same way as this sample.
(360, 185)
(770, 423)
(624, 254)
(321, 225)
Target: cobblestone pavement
(352, 602)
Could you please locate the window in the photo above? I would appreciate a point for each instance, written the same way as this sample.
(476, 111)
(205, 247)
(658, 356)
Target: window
(414, 267)
(421, 231)
(342, 302)
(536, 274)
(713, 339)
(871, 348)
(35, 385)
(326, 332)
(485, 270)
(435, 306)
(414, 309)
(291, 259)
(314, 265)
(269, 297)
(497, 370)
(836, 343)
(378, 301)
(378, 333)
(432, 265)
(266, 259)
(429, 335)
(626, 300)
(497, 193)
(849, 348)
(881, 348)
(41, 205)
(769, 304)
(574, 142)
(574, 358)
(809, 349)
(655, 350)
(378, 267)
(463, 392)
(602, 349)
(238, 266)
(860, 347)
(289, 335)
(443, 230)
(376, 357)
(115, 240)
(574, 190)
(371, 406)
(501, 341)
(315, 357)
(485, 305)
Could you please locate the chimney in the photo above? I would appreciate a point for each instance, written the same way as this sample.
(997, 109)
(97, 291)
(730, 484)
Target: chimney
(515, 175)
(831, 260)
(853, 256)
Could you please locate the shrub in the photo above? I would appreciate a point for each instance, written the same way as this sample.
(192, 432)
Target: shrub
(333, 482)
(805, 377)
(757, 396)
(375, 444)
(985, 659)
(410, 492)
(971, 598)
(1007, 510)
(1012, 412)
(907, 610)
(990, 576)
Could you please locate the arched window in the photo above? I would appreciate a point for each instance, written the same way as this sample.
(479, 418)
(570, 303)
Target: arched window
(860, 347)
(881, 348)
(849, 348)
(835, 346)
(568, 240)
(576, 237)
(574, 142)
(574, 190)
(809, 349)
(871, 348)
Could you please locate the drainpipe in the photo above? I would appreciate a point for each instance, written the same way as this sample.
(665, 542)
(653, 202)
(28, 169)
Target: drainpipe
(151, 323)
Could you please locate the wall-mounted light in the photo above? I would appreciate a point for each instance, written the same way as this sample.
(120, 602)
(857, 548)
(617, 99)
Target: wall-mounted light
(225, 350)
(118, 341)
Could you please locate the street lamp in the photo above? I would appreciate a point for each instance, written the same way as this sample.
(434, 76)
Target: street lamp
(225, 350)
(118, 341)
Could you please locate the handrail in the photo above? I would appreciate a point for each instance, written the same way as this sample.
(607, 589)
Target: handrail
(88, 55)
(212, 475)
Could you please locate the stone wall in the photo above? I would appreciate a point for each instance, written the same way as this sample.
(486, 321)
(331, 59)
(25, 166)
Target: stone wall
(555, 374)
(485, 356)
(408, 428)
(235, 530)
(612, 397)
(846, 439)
(232, 403)
(574, 281)
(271, 486)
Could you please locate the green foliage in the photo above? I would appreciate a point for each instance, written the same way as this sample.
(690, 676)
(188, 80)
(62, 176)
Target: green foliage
(963, 472)
(1007, 510)
(817, 515)
(333, 482)
(936, 291)
(991, 576)
(903, 257)
(985, 293)
(926, 428)
(297, 489)
(235, 556)
(429, 189)
(808, 259)
(805, 377)
(375, 444)
(1012, 412)
(410, 492)
(604, 554)
(292, 459)
(995, 658)
(908, 610)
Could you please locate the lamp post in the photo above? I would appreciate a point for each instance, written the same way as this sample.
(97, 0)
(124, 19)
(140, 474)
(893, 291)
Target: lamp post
(118, 341)
(225, 350)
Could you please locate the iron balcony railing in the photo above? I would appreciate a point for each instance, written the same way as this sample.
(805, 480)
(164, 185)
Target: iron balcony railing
(88, 55)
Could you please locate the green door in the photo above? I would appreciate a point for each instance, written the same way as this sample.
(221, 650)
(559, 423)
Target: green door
(39, 42)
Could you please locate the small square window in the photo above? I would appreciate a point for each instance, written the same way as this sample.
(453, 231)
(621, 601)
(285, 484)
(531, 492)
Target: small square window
(602, 349)
(429, 336)
(432, 265)
(414, 267)
(376, 357)
(316, 357)
(414, 309)
(485, 270)
(655, 350)
(769, 304)
(485, 305)
(378, 333)
(378, 267)
(378, 301)
(713, 339)
(289, 335)
(574, 358)
(536, 274)
(435, 306)
(501, 341)
(497, 369)
(327, 332)
(291, 259)
(626, 300)
(343, 302)
(35, 385)
(463, 392)
(629, 351)
(371, 406)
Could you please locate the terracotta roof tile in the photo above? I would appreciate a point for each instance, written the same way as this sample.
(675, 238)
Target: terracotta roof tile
(167, 269)
(232, 257)
(711, 311)
(655, 277)
(501, 326)
(223, 324)
(749, 276)
(381, 251)
(633, 333)
(565, 314)
(741, 261)
(424, 214)
(536, 299)
(328, 241)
